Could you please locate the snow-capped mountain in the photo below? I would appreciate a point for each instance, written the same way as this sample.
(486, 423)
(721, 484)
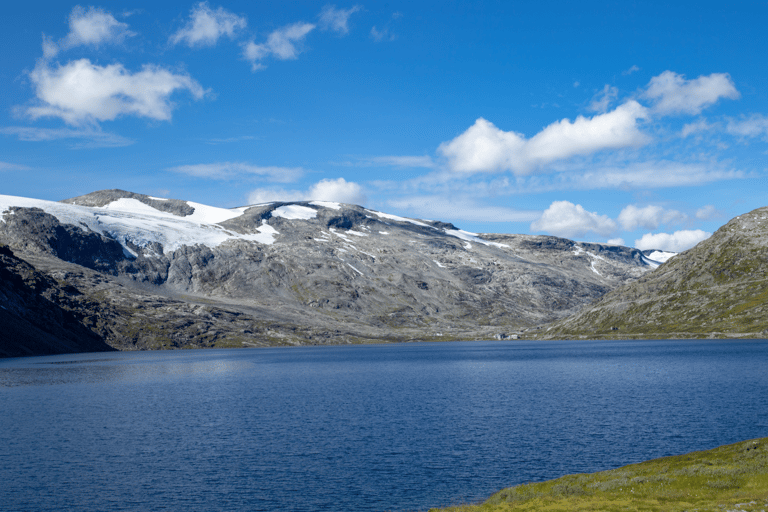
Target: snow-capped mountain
(303, 272)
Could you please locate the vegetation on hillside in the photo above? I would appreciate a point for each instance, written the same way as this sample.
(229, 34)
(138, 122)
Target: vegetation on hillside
(718, 289)
(729, 478)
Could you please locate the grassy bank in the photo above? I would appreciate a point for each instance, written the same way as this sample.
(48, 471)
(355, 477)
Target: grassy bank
(729, 478)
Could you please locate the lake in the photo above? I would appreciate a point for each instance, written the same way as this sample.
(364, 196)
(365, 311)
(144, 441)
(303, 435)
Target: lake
(359, 428)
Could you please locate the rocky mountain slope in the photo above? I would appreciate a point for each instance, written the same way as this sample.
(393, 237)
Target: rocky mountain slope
(717, 289)
(34, 315)
(171, 273)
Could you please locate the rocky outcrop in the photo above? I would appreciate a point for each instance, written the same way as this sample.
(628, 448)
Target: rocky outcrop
(717, 289)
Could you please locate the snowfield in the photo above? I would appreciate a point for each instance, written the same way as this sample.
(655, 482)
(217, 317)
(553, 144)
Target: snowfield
(131, 222)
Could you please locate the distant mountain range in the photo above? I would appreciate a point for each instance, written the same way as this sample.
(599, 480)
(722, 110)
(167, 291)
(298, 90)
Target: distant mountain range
(717, 289)
(140, 272)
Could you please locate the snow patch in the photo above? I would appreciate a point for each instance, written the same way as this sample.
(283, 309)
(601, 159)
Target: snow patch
(353, 268)
(332, 230)
(131, 221)
(661, 256)
(205, 214)
(295, 212)
(383, 232)
(398, 219)
(471, 237)
(578, 250)
(438, 264)
(356, 233)
(327, 204)
(650, 263)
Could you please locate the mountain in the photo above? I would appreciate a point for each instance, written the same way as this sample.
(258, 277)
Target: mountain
(717, 289)
(33, 317)
(170, 273)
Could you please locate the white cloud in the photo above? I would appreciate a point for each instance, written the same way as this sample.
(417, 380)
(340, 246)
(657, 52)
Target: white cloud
(229, 170)
(338, 190)
(485, 148)
(616, 241)
(603, 99)
(708, 212)
(88, 137)
(283, 44)
(754, 126)
(566, 219)
(336, 19)
(630, 70)
(7, 166)
(382, 35)
(91, 27)
(651, 174)
(649, 217)
(453, 209)
(399, 161)
(678, 241)
(80, 92)
(206, 26)
(673, 94)
(698, 126)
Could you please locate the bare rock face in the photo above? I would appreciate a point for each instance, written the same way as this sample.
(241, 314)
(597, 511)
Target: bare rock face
(717, 289)
(302, 272)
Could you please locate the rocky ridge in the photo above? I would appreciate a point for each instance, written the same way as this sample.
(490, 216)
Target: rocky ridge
(172, 274)
(717, 289)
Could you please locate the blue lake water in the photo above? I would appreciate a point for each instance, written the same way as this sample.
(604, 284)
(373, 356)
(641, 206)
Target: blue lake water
(361, 428)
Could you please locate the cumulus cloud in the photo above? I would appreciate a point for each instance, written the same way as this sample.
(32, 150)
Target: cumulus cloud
(754, 126)
(338, 190)
(88, 137)
(486, 148)
(336, 19)
(673, 94)
(283, 44)
(616, 241)
(454, 209)
(603, 99)
(678, 241)
(708, 212)
(649, 217)
(81, 92)
(566, 219)
(88, 27)
(206, 26)
(229, 170)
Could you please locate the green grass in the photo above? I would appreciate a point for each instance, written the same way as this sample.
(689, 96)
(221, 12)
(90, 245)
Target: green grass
(731, 477)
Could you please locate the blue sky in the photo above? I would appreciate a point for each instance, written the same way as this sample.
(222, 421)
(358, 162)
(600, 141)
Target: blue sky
(645, 124)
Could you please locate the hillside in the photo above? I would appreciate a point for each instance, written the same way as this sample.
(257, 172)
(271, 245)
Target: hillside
(729, 478)
(34, 317)
(171, 273)
(717, 289)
